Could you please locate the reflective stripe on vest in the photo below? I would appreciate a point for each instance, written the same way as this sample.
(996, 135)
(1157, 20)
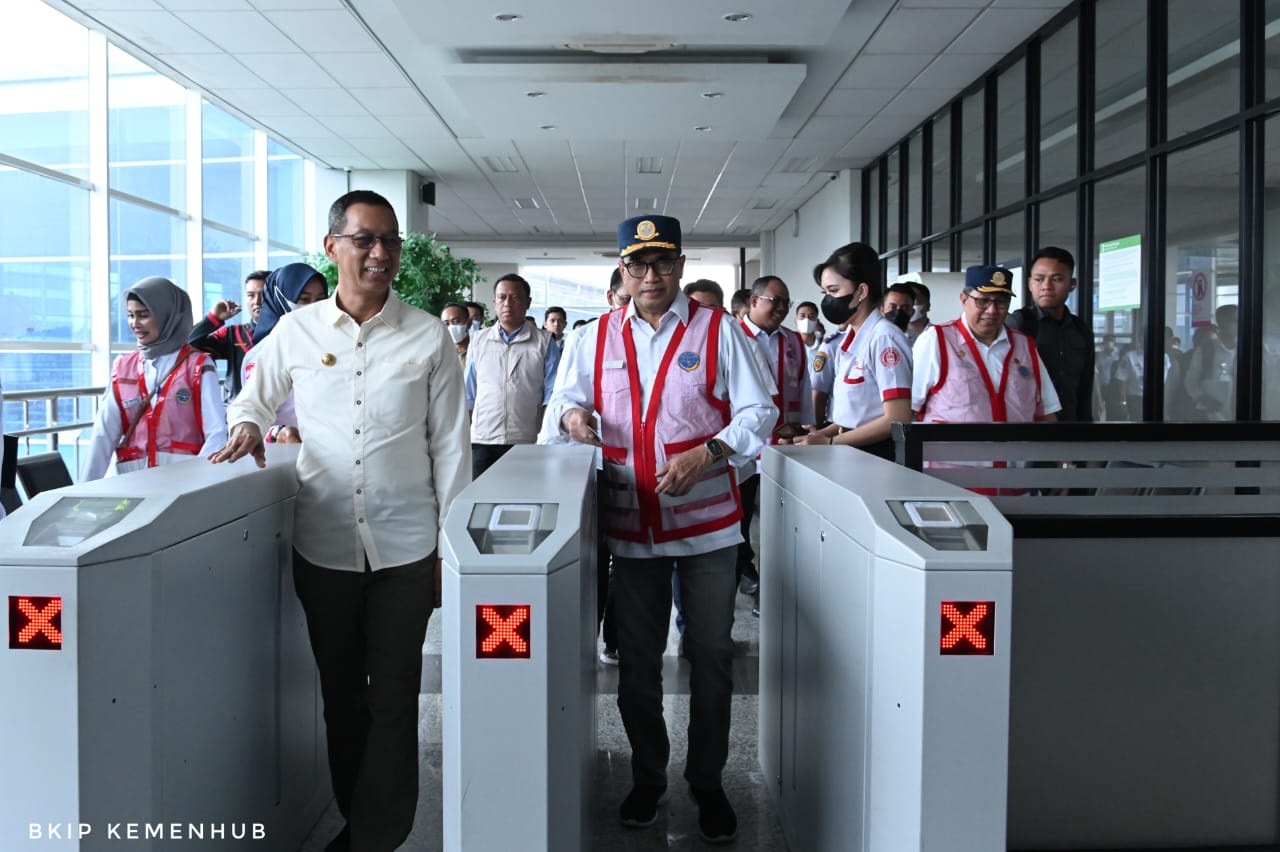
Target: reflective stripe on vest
(174, 422)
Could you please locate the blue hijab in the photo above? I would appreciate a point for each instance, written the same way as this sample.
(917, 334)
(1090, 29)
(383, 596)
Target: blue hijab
(280, 296)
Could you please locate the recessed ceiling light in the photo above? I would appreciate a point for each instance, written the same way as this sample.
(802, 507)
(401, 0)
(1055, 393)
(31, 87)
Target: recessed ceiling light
(508, 17)
(738, 17)
(547, 127)
(534, 94)
(702, 128)
(712, 95)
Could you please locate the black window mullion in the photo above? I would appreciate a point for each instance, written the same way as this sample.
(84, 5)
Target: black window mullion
(1154, 239)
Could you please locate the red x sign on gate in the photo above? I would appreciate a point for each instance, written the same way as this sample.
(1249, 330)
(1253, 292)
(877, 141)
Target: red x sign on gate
(502, 631)
(968, 628)
(35, 623)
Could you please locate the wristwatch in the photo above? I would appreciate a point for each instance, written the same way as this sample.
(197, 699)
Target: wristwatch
(716, 449)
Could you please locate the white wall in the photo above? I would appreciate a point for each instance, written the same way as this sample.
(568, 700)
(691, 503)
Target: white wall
(828, 220)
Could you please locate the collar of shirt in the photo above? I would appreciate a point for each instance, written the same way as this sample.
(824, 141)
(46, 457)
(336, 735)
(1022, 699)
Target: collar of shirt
(679, 307)
(511, 338)
(389, 315)
(756, 330)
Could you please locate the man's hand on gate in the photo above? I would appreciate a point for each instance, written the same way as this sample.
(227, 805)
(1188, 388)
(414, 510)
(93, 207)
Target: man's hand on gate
(246, 439)
(576, 423)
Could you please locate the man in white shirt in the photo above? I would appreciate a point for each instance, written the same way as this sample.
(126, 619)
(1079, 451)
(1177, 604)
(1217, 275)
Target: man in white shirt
(379, 397)
(680, 397)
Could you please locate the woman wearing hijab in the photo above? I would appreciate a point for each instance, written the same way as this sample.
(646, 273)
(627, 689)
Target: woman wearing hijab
(287, 288)
(164, 404)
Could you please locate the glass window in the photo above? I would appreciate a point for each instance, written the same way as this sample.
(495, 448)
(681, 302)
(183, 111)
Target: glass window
(44, 259)
(286, 196)
(146, 134)
(971, 201)
(1058, 228)
(228, 260)
(1059, 104)
(44, 71)
(941, 177)
(1119, 210)
(1010, 242)
(892, 230)
(915, 260)
(1273, 49)
(1120, 90)
(915, 186)
(1202, 251)
(970, 248)
(227, 152)
(873, 207)
(1011, 135)
(1271, 267)
(144, 242)
(940, 259)
(29, 370)
(1204, 63)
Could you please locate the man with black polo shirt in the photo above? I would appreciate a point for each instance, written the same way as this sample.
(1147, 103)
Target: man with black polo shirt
(230, 342)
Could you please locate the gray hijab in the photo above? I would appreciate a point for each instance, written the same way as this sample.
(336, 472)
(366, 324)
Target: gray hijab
(171, 307)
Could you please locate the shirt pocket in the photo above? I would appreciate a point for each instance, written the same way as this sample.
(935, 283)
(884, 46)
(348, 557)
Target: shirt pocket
(397, 394)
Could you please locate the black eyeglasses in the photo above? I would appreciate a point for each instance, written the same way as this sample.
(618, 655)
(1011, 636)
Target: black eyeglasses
(366, 241)
(661, 266)
(983, 303)
(779, 302)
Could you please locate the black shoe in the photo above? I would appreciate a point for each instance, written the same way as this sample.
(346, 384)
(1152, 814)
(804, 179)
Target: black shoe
(748, 586)
(717, 823)
(640, 808)
(755, 604)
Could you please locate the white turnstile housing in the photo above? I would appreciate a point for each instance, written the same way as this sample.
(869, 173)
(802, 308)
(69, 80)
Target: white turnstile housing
(519, 592)
(884, 712)
(157, 674)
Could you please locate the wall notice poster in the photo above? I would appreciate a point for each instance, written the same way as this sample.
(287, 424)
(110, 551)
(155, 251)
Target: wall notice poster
(1120, 274)
(1200, 289)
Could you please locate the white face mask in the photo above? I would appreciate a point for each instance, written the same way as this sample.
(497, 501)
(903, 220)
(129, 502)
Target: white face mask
(807, 325)
(917, 313)
(476, 325)
(458, 332)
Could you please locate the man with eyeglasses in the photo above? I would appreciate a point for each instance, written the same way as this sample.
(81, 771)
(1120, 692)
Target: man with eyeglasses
(974, 369)
(681, 399)
(786, 359)
(379, 395)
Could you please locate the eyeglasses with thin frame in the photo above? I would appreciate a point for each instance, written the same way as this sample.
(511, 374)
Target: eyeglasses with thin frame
(777, 301)
(982, 303)
(660, 266)
(390, 242)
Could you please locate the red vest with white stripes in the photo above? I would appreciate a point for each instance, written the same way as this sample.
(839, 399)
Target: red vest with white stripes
(682, 413)
(968, 395)
(173, 422)
(793, 360)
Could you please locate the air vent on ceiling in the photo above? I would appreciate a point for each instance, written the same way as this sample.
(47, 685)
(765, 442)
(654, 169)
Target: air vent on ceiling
(501, 165)
(526, 203)
(764, 204)
(621, 47)
(646, 204)
(798, 166)
(649, 165)
(546, 258)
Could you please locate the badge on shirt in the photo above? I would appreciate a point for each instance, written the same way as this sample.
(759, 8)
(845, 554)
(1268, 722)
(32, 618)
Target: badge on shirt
(688, 361)
(819, 361)
(133, 403)
(615, 365)
(183, 396)
(1023, 371)
(891, 357)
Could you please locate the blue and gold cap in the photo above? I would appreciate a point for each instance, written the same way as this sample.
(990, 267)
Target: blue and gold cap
(989, 279)
(648, 232)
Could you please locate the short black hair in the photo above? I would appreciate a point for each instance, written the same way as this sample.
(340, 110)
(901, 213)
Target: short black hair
(741, 299)
(762, 283)
(338, 210)
(579, 323)
(705, 285)
(806, 305)
(920, 288)
(902, 287)
(458, 305)
(257, 274)
(1060, 255)
(479, 307)
(512, 276)
(554, 309)
(858, 263)
(615, 280)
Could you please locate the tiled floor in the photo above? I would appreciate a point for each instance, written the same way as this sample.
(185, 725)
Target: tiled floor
(758, 827)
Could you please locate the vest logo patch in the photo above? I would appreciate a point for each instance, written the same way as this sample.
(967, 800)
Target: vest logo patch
(1023, 371)
(688, 361)
(891, 357)
(819, 361)
(133, 403)
(183, 396)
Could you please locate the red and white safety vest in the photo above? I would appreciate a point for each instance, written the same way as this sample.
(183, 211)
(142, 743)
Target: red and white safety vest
(793, 360)
(683, 413)
(173, 422)
(965, 393)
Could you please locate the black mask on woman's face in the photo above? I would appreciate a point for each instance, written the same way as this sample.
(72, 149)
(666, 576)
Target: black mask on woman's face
(838, 309)
(898, 317)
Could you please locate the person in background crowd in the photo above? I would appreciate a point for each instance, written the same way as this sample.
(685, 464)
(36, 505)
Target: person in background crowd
(511, 369)
(919, 313)
(740, 303)
(577, 324)
(475, 311)
(1063, 341)
(705, 292)
(380, 398)
(807, 325)
(458, 323)
(554, 322)
(1210, 378)
(163, 404)
(691, 378)
(230, 342)
(898, 305)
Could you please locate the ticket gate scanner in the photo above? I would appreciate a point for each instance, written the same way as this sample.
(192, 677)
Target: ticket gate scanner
(884, 655)
(158, 681)
(519, 592)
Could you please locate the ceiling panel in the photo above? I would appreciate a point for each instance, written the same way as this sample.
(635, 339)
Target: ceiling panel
(241, 32)
(324, 31)
(227, 70)
(919, 30)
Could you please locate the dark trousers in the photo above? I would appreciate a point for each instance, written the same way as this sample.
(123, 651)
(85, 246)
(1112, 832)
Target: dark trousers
(642, 589)
(483, 457)
(746, 567)
(367, 631)
(605, 621)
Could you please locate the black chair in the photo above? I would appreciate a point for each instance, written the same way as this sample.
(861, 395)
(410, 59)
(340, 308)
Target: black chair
(8, 476)
(42, 472)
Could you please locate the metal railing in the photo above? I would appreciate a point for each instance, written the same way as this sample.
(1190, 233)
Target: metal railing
(50, 435)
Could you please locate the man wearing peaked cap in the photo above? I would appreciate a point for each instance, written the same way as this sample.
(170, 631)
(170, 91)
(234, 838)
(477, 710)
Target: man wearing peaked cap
(681, 401)
(974, 369)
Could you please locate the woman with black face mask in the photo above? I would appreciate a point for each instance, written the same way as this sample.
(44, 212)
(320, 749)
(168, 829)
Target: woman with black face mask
(871, 360)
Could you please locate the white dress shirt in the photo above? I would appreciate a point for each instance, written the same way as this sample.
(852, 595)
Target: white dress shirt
(770, 347)
(739, 379)
(928, 367)
(383, 418)
(108, 428)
